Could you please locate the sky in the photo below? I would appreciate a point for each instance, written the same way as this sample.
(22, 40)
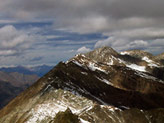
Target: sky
(34, 32)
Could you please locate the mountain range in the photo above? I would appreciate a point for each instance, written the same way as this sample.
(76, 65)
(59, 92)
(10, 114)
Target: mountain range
(37, 70)
(101, 86)
(14, 80)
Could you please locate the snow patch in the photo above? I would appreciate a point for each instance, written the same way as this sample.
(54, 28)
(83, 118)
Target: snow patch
(93, 67)
(125, 53)
(42, 111)
(121, 61)
(48, 109)
(151, 62)
(137, 67)
(110, 108)
(105, 81)
(145, 58)
(83, 121)
(111, 62)
(144, 75)
(104, 103)
(85, 73)
(77, 63)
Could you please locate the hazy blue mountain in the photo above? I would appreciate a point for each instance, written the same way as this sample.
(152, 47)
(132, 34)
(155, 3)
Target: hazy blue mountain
(19, 69)
(38, 70)
(41, 70)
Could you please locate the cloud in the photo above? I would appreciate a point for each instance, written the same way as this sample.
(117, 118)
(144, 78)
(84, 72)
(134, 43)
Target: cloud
(158, 43)
(106, 42)
(88, 16)
(13, 41)
(38, 58)
(148, 38)
(83, 50)
(7, 52)
(112, 42)
(153, 46)
(127, 24)
(140, 33)
(137, 44)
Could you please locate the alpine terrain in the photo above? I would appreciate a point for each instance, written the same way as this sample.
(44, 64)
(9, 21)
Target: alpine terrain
(14, 80)
(102, 86)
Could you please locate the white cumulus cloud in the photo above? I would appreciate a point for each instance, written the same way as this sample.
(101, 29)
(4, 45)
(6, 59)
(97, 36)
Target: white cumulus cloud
(13, 41)
(83, 49)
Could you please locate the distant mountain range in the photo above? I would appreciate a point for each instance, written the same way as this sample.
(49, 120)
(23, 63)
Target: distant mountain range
(38, 70)
(101, 86)
(14, 80)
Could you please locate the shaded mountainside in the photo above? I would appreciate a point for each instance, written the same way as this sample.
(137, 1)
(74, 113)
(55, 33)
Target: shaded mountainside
(8, 92)
(12, 84)
(14, 80)
(99, 86)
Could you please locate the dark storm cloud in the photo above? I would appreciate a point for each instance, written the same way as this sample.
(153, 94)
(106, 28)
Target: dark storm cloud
(89, 15)
(82, 8)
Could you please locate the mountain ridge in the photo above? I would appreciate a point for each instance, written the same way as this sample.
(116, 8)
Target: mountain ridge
(91, 85)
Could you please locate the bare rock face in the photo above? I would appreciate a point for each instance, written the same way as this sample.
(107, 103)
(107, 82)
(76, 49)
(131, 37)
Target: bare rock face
(101, 86)
(160, 58)
(105, 55)
(102, 54)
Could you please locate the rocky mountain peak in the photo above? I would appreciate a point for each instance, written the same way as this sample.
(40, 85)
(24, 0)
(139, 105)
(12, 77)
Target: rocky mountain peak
(96, 87)
(103, 51)
(103, 54)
